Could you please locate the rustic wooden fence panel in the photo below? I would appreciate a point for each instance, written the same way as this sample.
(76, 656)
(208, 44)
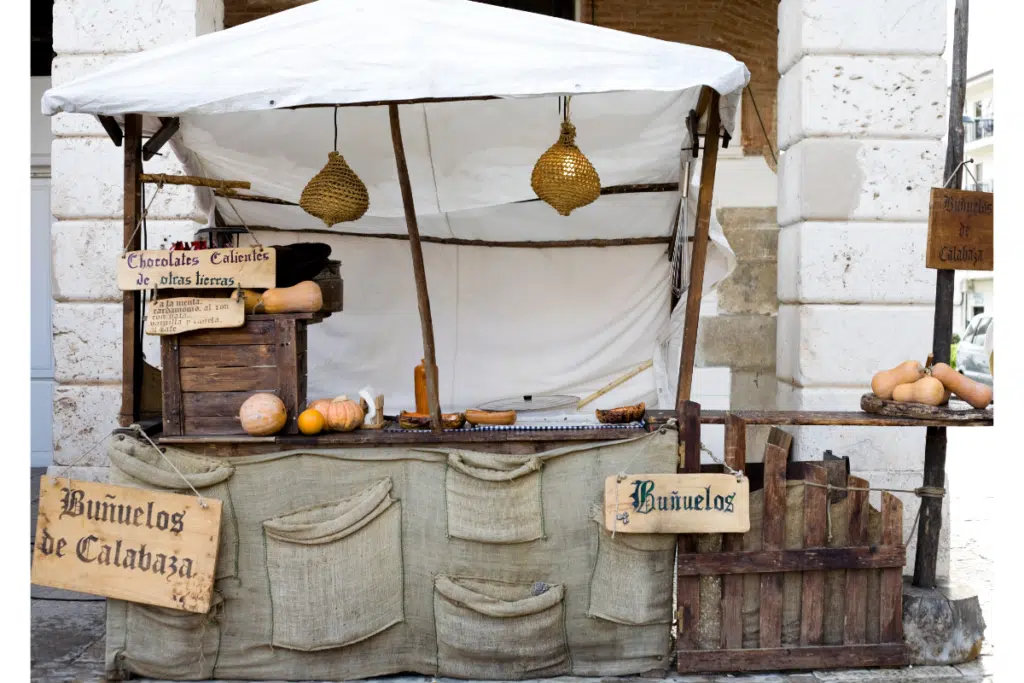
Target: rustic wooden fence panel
(844, 588)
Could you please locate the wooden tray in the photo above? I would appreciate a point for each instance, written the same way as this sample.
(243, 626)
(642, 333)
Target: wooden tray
(956, 411)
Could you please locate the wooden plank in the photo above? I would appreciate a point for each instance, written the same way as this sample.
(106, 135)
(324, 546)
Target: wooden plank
(777, 561)
(855, 623)
(699, 255)
(781, 659)
(204, 268)
(254, 332)
(422, 296)
(960, 230)
(891, 580)
(812, 602)
(288, 372)
(131, 302)
(688, 587)
(228, 356)
(781, 438)
(173, 413)
(955, 412)
(822, 418)
(229, 379)
(168, 127)
(676, 504)
(213, 425)
(113, 129)
(131, 544)
(732, 585)
(184, 314)
(773, 536)
(215, 403)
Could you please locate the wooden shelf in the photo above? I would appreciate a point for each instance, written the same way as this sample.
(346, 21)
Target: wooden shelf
(851, 418)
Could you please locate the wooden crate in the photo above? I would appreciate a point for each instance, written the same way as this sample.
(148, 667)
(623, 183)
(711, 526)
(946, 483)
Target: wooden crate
(863, 577)
(208, 374)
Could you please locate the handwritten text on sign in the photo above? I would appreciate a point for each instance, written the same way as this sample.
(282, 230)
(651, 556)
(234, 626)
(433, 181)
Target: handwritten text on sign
(242, 267)
(131, 544)
(174, 316)
(960, 230)
(677, 504)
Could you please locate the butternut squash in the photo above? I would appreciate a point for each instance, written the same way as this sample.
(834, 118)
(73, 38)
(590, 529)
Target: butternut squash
(304, 297)
(926, 390)
(907, 372)
(252, 300)
(977, 394)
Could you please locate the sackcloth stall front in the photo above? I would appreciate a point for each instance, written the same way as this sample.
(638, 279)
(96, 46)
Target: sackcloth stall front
(470, 552)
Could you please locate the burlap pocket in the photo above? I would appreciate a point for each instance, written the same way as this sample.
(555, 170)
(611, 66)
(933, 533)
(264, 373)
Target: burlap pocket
(172, 644)
(632, 580)
(336, 571)
(494, 498)
(496, 630)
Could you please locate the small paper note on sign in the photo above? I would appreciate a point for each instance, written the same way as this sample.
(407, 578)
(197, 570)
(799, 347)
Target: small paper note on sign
(200, 268)
(677, 504)
(174, 316)
(130, 544)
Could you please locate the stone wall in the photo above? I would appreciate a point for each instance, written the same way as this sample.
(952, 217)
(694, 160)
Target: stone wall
(87, 208)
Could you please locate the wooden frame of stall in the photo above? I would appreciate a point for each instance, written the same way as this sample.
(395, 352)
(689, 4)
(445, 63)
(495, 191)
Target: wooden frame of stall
(688, 414)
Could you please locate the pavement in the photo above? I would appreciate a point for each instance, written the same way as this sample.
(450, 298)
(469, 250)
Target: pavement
(68, 629)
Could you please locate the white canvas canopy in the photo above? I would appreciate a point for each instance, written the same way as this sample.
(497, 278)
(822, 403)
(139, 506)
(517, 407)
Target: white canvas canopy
(508, 321)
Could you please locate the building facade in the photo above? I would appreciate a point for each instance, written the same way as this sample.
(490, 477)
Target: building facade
(823, 195)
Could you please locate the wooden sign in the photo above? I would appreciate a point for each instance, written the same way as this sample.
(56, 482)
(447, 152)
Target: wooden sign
(130, 544)
(677, 504)
(960, 230)
(174, 316)
(222, 268)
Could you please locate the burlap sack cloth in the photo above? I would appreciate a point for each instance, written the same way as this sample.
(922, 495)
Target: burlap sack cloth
(341, 564)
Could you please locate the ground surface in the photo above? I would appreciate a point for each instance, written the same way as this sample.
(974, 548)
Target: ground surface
(68, 628)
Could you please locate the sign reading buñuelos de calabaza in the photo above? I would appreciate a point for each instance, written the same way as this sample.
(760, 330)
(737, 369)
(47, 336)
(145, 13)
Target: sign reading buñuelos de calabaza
(192, 269)
(130, 544)
(960, 224)
(677, 504)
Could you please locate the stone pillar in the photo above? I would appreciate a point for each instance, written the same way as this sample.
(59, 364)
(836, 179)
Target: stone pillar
(862, 113)
(87, 208)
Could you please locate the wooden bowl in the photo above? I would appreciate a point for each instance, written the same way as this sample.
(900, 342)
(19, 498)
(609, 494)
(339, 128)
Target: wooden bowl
(491, 417)
(422, 421)
(623, 415)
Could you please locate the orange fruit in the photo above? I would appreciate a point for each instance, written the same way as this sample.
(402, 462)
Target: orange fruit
(311, 422)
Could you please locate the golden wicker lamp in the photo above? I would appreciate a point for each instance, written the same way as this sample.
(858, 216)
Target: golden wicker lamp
(563, 176)
(335, 194)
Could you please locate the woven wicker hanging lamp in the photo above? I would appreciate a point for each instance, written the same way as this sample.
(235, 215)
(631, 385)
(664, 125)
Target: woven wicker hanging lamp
(335, 194)
(563, 177)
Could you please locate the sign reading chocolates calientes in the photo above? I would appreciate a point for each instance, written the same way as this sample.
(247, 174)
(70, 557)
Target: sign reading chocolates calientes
(254, 267)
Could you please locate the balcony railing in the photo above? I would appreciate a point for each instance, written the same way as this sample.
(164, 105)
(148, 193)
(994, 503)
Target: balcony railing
(978, 129)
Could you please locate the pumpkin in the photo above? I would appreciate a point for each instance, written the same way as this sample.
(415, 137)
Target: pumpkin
(304, 297)
(252, 300)
(926, 390)
(320, 406)
(311, 422)
(344, 415)
(977, 394)
(883, 383)
(263, 414)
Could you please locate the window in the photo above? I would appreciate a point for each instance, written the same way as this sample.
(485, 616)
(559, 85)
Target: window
(979, 110)
(979, 335)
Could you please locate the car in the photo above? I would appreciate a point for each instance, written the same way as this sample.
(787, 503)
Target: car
(974, 353)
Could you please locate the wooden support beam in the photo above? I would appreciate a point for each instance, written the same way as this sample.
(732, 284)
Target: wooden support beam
(131, 351)
(688, 587)
(194, 180)
(777, 561)
(699, 255)
(113, 129)
(422, 297)
(930, 526)
(167, 130)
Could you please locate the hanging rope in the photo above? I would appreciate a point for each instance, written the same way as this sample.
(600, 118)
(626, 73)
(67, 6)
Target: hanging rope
(140, 430)
(335, 128)
(671, 422)
(145, 211)
(763, 129)
(920, 492)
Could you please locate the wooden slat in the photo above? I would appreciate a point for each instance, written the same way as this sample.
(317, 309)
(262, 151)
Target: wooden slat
(812, 602)
(173, 414)
(213, 425)
(288, 371)
(131, 302)
(216, 403)
(773, 536)
(253, 332)
(781, 438)
(777, 561)
(228, 379)
(228, 356)
(732, 585)
(688, 587)
(891, 581)
(855, 623)
(831, 418)
(781, 659)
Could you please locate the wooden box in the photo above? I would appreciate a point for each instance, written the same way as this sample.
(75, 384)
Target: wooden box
(208, 374)
(331, 286)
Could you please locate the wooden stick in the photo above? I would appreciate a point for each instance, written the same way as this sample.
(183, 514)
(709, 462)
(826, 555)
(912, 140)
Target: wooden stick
(197, 181)
(167, 130)
(688, 587)
(263, 199)
(700, 254)
(611, 385)
(930, 526)
(131, 354)
(422, 297)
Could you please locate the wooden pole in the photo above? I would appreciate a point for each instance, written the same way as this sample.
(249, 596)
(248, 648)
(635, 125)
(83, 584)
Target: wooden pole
(699, 255)
(131, 353)
(930, 526)
(422, 297)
